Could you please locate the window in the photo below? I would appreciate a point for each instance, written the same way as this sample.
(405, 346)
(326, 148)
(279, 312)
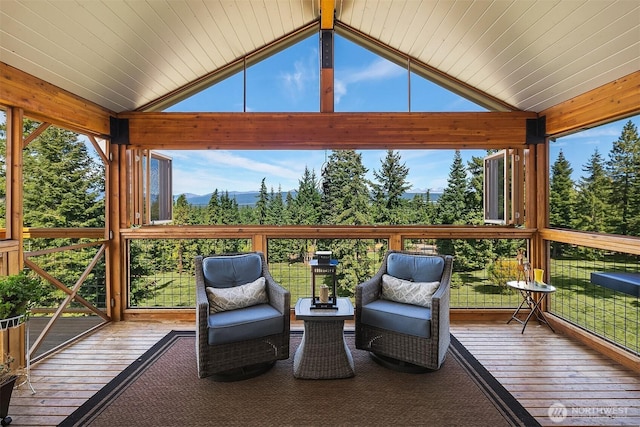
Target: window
(160, 200)
(503, 187)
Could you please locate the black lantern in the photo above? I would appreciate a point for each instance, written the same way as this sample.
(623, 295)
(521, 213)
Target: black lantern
(323, 296)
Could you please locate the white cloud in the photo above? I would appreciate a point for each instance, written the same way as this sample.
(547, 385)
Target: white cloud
(380, 69)
(304, 73)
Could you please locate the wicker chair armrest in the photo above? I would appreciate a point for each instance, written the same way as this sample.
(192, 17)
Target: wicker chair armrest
(440, 302)
(368, 291)
(202, 302)
(279, 297)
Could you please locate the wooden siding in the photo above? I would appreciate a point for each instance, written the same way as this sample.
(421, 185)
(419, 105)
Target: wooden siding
(539, 368)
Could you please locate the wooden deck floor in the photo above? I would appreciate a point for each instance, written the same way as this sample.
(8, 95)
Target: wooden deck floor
(539, 368)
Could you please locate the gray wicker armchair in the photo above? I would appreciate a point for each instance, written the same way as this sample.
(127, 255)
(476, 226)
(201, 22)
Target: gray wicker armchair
(234, 342)
(401, 335)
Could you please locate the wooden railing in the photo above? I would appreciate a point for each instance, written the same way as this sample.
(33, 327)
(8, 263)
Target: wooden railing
(258, 235)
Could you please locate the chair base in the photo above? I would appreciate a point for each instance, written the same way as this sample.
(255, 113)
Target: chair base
(398, 365)
(243, 373)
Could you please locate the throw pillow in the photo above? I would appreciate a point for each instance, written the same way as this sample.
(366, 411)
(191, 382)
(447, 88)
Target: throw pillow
(416, 293)
(225, 299)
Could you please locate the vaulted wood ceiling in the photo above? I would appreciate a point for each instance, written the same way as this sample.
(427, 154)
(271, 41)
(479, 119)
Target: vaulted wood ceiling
(124, 55)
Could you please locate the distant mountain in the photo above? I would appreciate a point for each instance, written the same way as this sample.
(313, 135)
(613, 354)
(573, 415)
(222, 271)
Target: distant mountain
(249, 198)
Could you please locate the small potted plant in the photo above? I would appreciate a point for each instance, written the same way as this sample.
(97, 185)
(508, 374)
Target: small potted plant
(18, 293)
(8, 379)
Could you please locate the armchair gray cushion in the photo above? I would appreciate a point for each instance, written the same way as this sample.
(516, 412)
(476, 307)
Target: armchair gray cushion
(247, 336)
(403, 332)
(231, 270)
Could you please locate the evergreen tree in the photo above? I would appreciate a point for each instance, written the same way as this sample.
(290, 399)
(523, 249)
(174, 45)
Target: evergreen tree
(452, 205)
(275, 208)
(421, 210)
(562, 194)
(475, 192)
(305, 209)
(346, 189)
(63, 186)
(230, 214)
(213, 208)
(261, 205)
(181, 216)
(389, 205)
(624, 171)
(346, 201)
(592, 196)
(561, 199)
(278, 248)
(181, 211)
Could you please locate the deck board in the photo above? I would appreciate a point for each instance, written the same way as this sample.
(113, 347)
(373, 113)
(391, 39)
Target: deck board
(539, 368)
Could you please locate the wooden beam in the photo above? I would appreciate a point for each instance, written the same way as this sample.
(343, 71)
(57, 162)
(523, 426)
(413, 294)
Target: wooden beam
(326, 232)
(327, 8)
(45, 102)
(311, 131)
(615, 100)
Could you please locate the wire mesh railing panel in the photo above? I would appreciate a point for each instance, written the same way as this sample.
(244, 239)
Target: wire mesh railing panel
(358, 260)
(161, 271)
(481, 269)
(608, 313)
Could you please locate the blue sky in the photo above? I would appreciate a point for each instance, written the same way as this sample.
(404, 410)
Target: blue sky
(289, 82)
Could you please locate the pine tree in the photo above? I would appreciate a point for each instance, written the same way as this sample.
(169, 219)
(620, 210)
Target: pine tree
(305, 209)
(561, 199)
(452, 206)
(213, 208)
(306, 206)
(63, 185)
(421, 209)
(475, 193)
(181, 216)
(561, 193)
(593, 193)
(346, 189)
(389, 205)
(275, 208)
(278, 248)
(261, 205)
(346, 201)
(624, 170)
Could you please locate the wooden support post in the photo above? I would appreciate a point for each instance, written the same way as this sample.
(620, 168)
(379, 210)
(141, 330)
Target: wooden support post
(395, 242)
(14, 209)
(327, 8)
(115, 255)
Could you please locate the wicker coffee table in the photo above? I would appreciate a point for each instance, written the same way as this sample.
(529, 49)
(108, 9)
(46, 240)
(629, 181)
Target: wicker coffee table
(323, 352)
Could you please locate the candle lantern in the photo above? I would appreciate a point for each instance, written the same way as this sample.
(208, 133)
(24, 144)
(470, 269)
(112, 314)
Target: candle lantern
(324, 296)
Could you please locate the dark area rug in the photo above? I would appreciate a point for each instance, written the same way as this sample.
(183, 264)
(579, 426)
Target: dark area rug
(162, 388)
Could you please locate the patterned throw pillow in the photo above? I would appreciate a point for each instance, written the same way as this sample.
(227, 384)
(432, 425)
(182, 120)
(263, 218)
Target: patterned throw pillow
(224, 299)
(416, 293)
